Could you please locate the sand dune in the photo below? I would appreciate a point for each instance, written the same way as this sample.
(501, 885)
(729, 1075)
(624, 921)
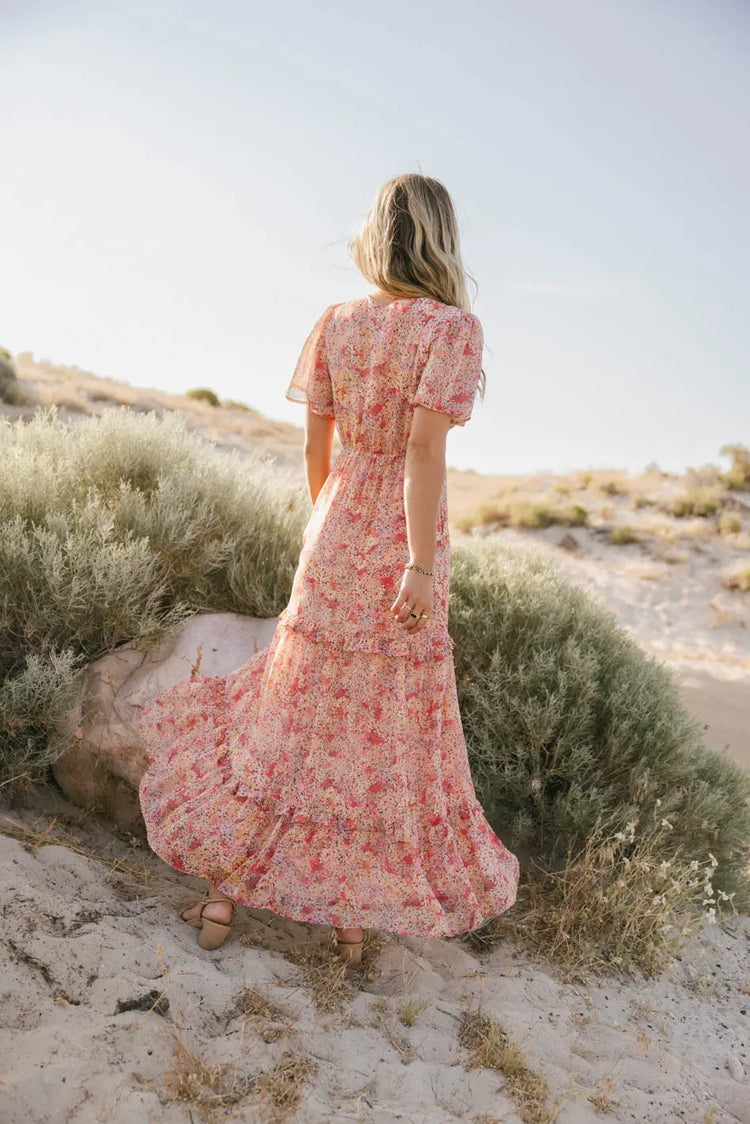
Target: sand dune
(104, 988)
(101, 981)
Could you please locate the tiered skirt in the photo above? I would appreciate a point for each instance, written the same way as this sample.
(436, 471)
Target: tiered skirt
(328, 785)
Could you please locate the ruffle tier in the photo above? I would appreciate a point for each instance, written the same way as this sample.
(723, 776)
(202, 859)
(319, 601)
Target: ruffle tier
(328, 785)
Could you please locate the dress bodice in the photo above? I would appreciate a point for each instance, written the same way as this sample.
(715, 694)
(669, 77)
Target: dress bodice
(368, 365)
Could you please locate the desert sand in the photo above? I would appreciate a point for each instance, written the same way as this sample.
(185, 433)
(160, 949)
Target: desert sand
(104, 987)
(102, 982)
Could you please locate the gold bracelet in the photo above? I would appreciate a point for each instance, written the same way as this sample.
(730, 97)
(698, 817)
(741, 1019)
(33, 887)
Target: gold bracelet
(421, 569)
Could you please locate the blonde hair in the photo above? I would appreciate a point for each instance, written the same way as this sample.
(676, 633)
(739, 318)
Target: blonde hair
(408, 244)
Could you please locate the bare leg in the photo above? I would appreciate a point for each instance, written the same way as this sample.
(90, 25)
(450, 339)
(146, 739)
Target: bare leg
(349, 934)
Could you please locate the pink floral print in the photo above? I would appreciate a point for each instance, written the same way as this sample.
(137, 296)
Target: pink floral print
(328, 779)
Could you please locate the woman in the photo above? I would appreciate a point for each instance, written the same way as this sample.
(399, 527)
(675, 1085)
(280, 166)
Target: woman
(327, 779)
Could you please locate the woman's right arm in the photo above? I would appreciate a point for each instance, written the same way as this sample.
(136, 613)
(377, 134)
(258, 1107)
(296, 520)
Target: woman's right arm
(424, 473)
(443, 398)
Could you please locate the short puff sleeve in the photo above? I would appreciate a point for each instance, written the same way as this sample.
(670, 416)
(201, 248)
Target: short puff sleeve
(453, 367)
(311, 381)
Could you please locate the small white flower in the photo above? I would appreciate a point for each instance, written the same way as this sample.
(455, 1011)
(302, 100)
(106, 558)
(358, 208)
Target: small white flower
(664, 866)
(710, 916)
(658, 802)
(714, 861)
(693, 865)
(666, 823)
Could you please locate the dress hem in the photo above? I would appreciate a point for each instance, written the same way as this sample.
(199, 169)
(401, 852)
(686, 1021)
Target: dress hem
(323, 917)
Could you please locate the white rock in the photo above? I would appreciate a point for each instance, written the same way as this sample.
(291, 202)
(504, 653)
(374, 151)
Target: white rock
(106, 757)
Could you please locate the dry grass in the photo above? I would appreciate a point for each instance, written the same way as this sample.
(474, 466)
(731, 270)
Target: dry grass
(329, 978)
(663, 552)
(601, 1099)
(523, 514)
(258, 1005)
(640, 501)
(738, 476)
(139, 874)
(614, 907)
(614, 488)
(385, 1021)
(268, 1019)
(740, 580)
(189, 1079)
(490, 1047)
(700, 502)
(729, 523)
(622, 535)
(203, 394)
(278, 1093)
(413, 1008)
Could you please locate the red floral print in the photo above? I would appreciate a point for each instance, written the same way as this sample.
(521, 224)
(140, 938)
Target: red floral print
(328, 779)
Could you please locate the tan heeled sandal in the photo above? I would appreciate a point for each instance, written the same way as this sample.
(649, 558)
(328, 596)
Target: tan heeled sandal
(212, 933)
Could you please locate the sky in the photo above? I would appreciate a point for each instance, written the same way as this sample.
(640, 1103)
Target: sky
(180, 180)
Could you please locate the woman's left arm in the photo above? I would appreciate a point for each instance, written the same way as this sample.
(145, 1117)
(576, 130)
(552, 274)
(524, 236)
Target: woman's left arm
(319, 432)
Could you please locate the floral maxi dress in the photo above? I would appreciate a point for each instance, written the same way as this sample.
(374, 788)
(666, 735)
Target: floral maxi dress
(328, 779)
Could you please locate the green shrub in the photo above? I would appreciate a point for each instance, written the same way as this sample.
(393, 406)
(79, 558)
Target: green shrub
(622, 535)
(203, 394)
(738, 476)
(613, 488)
(465, 523)
(567, 720)
(740, 580)
(573, 515)
(527, 514)
(115, 528)
(9, 389)
(701, 502)
(729, 523)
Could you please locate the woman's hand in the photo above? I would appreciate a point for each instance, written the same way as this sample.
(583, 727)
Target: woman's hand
(415, 596)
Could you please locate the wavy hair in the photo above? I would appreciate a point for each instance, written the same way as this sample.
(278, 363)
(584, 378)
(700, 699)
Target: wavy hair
(408, 244)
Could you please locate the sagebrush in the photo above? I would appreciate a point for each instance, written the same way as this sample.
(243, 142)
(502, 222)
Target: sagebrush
(114, 528)
(569, 722)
